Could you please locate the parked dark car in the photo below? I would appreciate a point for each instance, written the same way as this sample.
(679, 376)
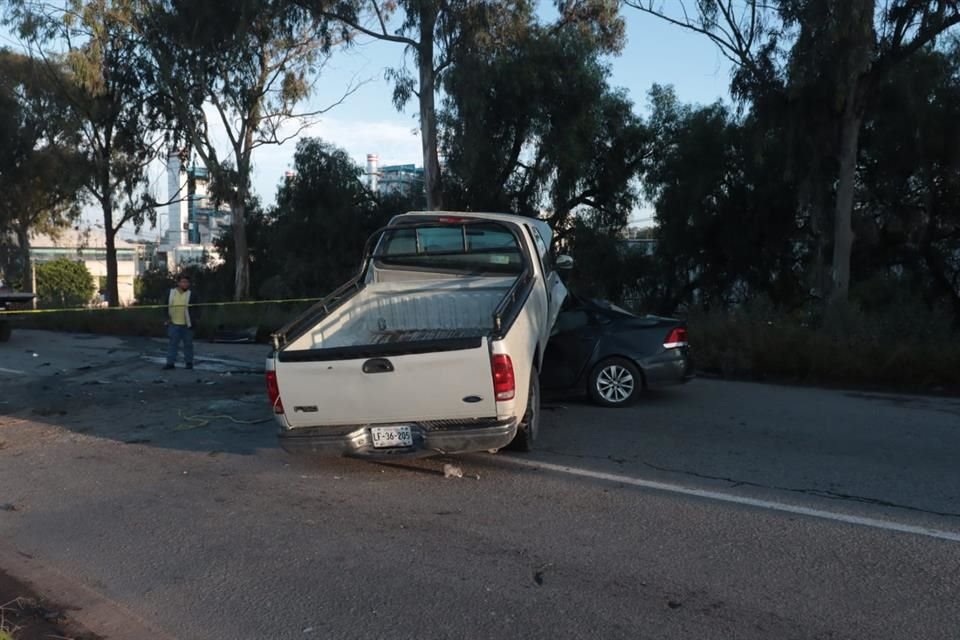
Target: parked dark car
(613, 354)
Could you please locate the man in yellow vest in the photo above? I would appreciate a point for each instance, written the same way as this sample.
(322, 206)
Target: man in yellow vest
(180, 318)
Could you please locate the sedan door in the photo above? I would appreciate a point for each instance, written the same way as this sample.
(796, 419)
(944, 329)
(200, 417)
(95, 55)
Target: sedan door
(571, 348)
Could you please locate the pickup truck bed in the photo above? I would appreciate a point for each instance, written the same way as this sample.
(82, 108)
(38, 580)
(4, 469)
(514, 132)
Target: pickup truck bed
(410, 311)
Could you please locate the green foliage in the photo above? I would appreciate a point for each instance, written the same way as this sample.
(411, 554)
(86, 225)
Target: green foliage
(312, 240)
(219, 280)
(153, 286)
(323, 217)
(103, 89)
(814, 67)
(605, 268)
(726, 213)
(240, 67)
(441, 36)
(41, 167)
(534, 125)
(64, 283)
(908, 347)
(909, 221)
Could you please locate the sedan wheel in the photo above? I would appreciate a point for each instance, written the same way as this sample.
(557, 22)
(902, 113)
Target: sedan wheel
(615, 383)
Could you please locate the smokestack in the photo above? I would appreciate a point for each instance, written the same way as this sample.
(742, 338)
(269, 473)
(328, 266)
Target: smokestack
(372, 174)
(177, 192)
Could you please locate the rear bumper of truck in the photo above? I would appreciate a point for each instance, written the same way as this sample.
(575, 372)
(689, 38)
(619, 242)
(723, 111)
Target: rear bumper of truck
(429, 438)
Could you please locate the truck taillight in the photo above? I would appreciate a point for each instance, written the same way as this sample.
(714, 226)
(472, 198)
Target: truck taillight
(504, 384)
(676, 338)
(273, 392)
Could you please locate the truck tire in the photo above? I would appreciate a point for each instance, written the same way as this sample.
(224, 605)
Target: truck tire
(5, 330)
(529, 425)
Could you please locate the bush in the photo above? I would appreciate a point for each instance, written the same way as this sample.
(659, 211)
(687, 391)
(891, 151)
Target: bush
(153, 286)
(904, 347)
(64, 283)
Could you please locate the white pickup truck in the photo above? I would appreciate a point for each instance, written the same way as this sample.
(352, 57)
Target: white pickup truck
(433, 348)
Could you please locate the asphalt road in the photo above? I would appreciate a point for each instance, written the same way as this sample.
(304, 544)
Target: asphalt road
(714, 510)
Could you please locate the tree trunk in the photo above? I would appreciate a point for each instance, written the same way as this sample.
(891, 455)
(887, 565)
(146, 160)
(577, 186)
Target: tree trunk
(428, 114)
(843, 214)
(241, 281)
(113, 288)
(856, 29)
(818, 203)
(113, 275)
(23, 247)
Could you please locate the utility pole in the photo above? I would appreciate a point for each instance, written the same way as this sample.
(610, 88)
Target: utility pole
(33, 281)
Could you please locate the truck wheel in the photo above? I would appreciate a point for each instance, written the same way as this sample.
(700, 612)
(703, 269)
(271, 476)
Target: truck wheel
(5, 330)
(530, 423)
(615, 382)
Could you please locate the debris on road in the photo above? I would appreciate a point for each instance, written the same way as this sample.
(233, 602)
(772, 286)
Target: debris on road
(199, 421)
(539, 573)
(452, 471)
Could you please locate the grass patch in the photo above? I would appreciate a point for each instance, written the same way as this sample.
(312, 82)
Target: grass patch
(903, 348)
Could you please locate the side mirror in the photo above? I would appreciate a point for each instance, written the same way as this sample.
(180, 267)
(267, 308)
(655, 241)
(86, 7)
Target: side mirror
(563, 263)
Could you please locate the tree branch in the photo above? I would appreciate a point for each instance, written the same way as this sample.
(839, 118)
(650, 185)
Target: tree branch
(733, 46)
(379, 35)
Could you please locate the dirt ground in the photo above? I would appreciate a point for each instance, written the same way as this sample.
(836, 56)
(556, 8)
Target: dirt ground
(26, 615)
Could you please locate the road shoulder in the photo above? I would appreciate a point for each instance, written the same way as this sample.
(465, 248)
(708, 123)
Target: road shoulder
(86, 614)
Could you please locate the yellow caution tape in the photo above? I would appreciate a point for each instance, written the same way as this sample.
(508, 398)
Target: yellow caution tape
(154, 306)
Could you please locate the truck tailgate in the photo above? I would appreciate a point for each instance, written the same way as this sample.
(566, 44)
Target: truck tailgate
(412, 387)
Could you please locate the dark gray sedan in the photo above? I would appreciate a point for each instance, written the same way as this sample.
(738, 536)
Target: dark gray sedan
(613, 354)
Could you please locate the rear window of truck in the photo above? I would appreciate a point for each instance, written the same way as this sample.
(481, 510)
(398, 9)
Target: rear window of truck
(473, 248)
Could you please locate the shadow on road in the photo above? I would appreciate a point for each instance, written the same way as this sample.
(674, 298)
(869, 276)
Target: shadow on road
(116, 389)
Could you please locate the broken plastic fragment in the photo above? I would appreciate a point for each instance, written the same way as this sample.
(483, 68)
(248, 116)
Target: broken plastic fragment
(452, 471)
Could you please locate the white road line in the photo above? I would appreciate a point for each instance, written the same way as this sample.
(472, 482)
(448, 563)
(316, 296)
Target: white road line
(887, 525)
(14, 371)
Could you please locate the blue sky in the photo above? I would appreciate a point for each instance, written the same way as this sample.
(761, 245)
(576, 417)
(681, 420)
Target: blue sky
(367, 121)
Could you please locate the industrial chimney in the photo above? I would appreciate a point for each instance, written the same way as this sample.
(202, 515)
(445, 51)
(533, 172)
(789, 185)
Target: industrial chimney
(177, 194)
(372, 173)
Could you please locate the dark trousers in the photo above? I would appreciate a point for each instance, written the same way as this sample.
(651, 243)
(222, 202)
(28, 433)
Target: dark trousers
(177, 333)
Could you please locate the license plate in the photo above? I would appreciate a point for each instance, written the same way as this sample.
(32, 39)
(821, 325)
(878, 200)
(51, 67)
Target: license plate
(391, 437)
